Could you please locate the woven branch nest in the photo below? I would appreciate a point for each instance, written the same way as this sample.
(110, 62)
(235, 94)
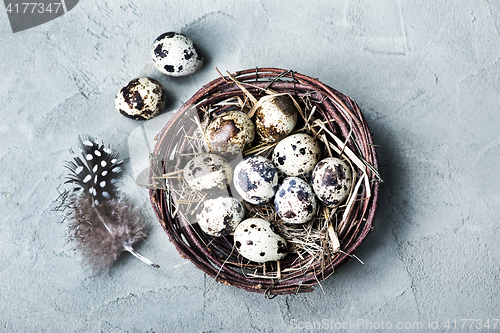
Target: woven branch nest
(334, 119)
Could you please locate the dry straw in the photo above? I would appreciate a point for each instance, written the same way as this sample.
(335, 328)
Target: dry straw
(317, 248)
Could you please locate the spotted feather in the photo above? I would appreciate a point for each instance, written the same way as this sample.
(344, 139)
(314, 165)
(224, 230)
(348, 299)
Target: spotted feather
(95, 172)
(103, 223)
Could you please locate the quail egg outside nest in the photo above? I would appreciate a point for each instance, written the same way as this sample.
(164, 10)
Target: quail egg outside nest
(175, 54)
(142, 98)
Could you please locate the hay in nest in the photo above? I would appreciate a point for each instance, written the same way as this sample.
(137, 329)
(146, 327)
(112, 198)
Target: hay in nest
(318, 247)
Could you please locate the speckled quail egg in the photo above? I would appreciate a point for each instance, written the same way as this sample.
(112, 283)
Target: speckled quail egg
(295, 201)
(296, 154)
(275, 118)
(230, 133)
(331, 181)
(256, 179)
(220, 216)
(142, 98)
(257, 241)
(207, 171)
(175, 54)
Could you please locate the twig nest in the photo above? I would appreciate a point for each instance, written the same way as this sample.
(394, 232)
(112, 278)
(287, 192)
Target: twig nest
(142, 98)
(229, 134)
(295, 201)
(331, 181)
(220, 216)
(296, 154)
(316, 248)
(256, 179)
(275, 118)
(256, 240)
(175, 54)
(207, 171)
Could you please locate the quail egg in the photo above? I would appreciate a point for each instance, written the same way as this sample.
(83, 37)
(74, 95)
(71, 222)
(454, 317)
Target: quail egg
(220, 216)
(275, 118)
(207, 171)
(295, 201)
(331, 181)
(230, 133)
(256, 179)
(142, 98)
(296, 154)
(175, 54)
(257, 241)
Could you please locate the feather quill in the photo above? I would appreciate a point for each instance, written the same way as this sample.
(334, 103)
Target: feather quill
(102, 223)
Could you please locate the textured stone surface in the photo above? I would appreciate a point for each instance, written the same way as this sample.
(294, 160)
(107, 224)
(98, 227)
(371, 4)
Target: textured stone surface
(425, 74)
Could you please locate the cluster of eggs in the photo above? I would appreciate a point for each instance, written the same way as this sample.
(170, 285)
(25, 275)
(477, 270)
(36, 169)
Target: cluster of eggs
(173, 54)
(256, 178)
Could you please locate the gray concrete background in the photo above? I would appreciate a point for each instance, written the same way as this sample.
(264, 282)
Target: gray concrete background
(426, 75)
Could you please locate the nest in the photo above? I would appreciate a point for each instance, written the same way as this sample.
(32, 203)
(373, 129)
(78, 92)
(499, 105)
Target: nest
(316, 248)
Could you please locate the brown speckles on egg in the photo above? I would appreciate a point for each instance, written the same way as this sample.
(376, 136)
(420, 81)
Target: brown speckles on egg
(282, 248)
(220, 216)
(230, 133)
(259, 243)
(331, 181)
(141, 99)
(207, 171)
(296, 154)
(339, 170)
(329, 177)
(276, 118)
(226, 130)
(295, 202)
(321, 164)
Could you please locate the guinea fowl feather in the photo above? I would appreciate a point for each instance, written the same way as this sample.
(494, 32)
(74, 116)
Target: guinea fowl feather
(103, 224)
